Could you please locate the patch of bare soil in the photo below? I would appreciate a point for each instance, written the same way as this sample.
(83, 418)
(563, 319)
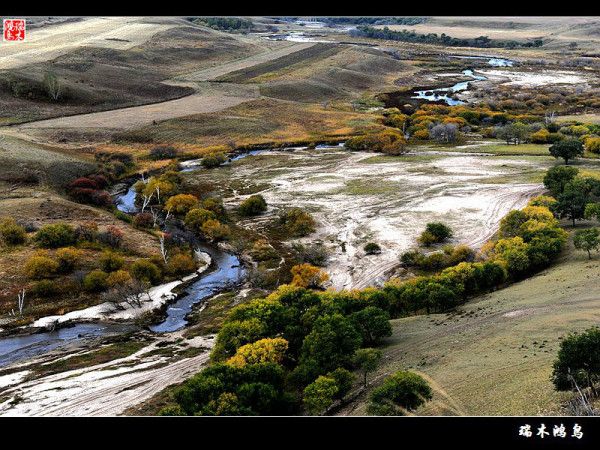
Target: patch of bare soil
(357, 200)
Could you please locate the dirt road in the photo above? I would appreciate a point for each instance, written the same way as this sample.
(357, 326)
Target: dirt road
(46, 43)
(209, 98)
(214, 72)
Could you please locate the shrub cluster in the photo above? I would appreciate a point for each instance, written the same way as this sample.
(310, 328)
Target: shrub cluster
(325, 331)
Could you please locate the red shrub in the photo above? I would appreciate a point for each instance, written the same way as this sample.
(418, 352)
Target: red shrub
(100, 180)
(84, 183)
(143, 220)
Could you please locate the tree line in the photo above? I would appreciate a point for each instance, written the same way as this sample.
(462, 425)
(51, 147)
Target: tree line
(295, 350)
(442, 39)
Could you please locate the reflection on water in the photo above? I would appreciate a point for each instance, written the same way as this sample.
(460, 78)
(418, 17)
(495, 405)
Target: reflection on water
(17, 348)
(228, 272)
(491, 60)
(445, 94)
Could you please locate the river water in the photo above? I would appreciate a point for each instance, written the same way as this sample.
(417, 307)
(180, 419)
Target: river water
(228, 271)
(17, 348)
(446, 94)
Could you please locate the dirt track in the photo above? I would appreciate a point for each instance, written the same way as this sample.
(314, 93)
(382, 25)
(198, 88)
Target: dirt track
(214, 72)
(43, 44)
(209, 98)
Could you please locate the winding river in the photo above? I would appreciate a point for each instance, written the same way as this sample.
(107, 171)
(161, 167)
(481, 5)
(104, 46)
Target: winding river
(227, 272)
(446, 94)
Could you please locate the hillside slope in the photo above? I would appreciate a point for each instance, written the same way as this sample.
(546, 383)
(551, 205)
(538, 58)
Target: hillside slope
(494, 356)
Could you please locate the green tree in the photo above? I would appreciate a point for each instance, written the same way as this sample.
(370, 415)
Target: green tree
(572, 201)
(372, 249)
(399, 392)
(514, 133)
(253, 206)
(578, 360)
(331, 343)
(373, 324)
(510, 225)
(435, 232)
(592, 211)
(587, 240)
(567, 149)
(367, 360)
(236, 333)
(319, 395)
(558, 177)
(344, 379)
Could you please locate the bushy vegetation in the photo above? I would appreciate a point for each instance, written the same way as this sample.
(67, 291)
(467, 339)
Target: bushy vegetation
(374, 20)
(225, 23)
(443, 39)
(12, 233)
(90, 190)
(55, 235)
(308, 276)
(371, 248)
(95, 281)
(435, 233)
(213, 160)
(578, 362)
(181, 264)
(253, 205)
(41, 266)
(68, 259)
(111, 261)
(181, 204)
(146, 270)
(163, 152)
(401, 392)
(434, 261)
(389, 142)
(315, 254)
(515, 122)
(296, 222)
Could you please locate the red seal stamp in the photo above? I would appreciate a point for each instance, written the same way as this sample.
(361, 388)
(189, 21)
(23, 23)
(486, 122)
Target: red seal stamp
(14, 29)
